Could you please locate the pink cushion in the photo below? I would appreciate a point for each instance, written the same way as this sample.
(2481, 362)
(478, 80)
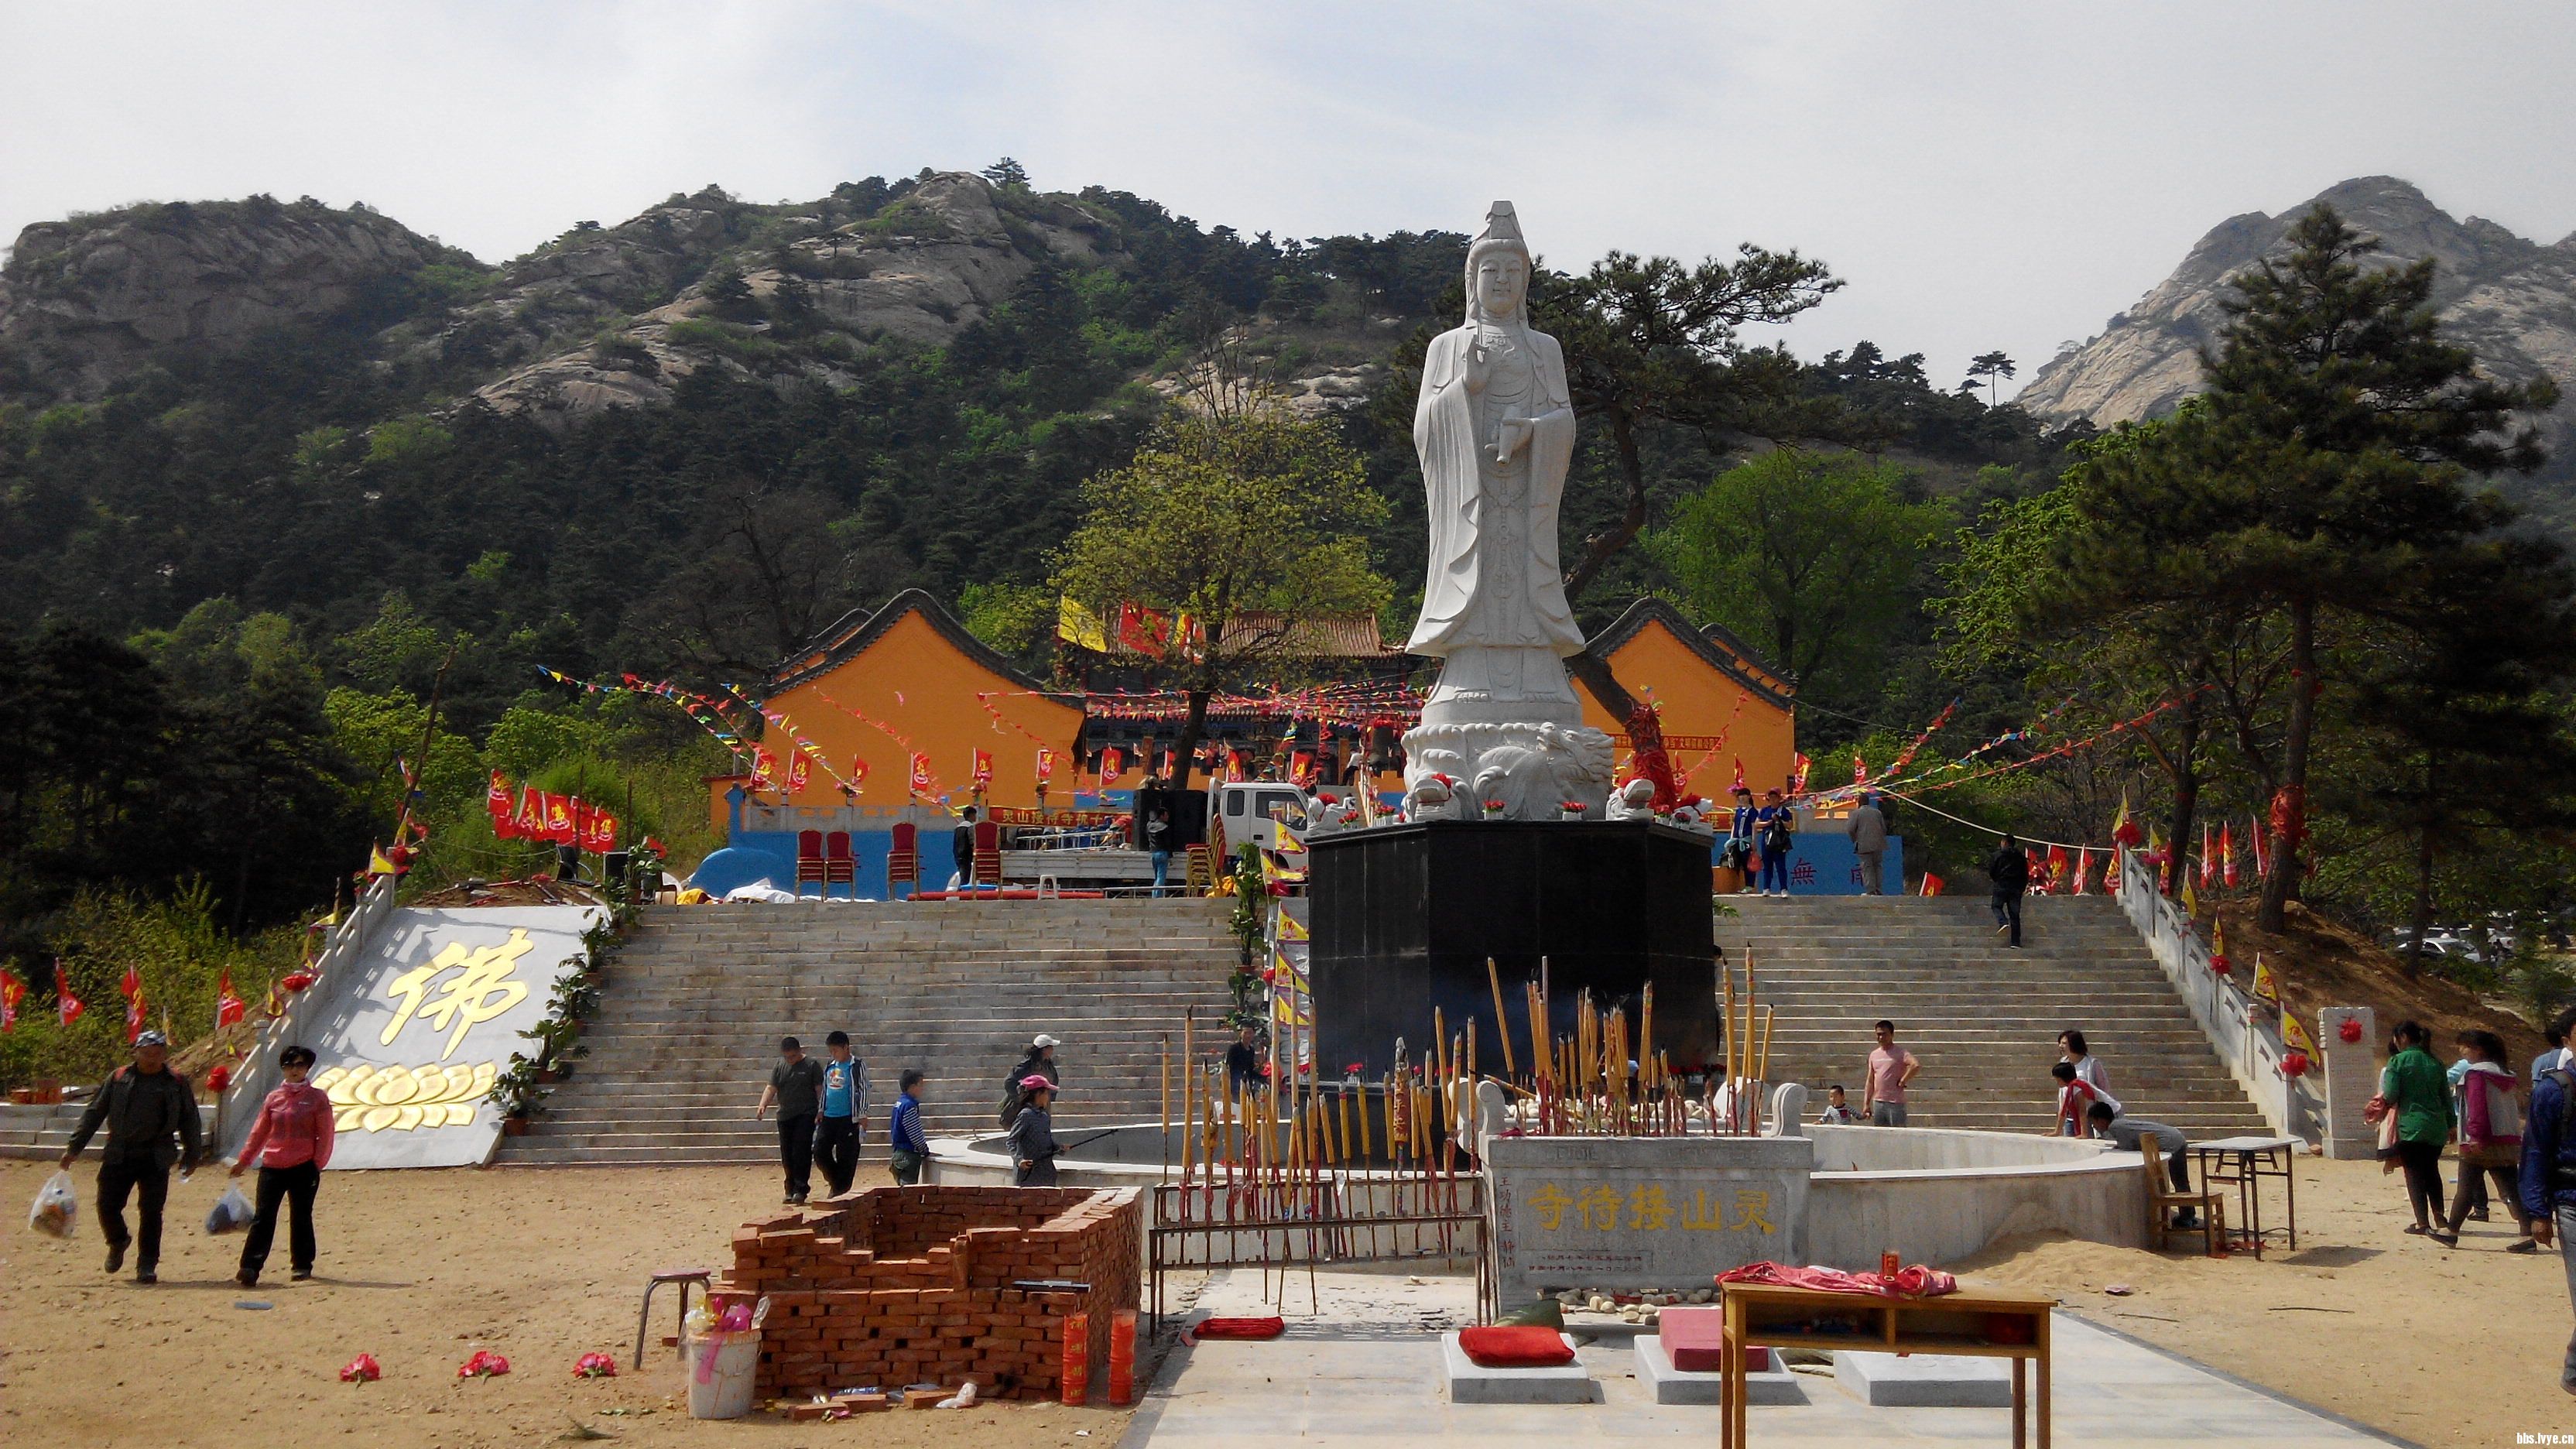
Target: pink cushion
(1695, 1340)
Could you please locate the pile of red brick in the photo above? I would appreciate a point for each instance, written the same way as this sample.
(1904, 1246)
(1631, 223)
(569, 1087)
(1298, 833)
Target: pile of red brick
(893, 1286)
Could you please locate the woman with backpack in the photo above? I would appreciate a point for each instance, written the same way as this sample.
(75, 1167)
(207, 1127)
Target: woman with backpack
(2413, 1090)
(2490, 1138)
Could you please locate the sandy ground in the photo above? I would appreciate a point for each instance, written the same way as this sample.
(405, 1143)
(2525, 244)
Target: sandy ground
(420, 1269)
(423, 1268)
(2438, 1346)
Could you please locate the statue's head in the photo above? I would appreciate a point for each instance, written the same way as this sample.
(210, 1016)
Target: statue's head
(1498, 268)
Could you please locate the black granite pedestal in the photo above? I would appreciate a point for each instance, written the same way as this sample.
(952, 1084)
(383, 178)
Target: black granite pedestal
(1405, 916)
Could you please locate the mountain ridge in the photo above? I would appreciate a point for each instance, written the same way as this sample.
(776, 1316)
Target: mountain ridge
(2508, 298)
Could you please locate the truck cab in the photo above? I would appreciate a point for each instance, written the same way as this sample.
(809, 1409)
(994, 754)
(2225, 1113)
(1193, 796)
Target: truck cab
(1269, 813)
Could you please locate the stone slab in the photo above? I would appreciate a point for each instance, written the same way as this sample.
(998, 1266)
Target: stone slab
(1924, 1381)
(1472, 1383)
(1670, 1385)
(1643, 1212)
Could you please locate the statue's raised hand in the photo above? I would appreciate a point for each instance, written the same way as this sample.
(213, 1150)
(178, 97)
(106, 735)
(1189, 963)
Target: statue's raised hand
(1509, 438)
(1480, 368)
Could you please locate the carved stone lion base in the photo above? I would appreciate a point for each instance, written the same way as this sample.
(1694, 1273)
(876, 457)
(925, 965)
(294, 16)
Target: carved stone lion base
(1531, 768)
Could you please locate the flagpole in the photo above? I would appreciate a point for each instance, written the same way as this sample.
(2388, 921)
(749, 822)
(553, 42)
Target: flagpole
(428, 731)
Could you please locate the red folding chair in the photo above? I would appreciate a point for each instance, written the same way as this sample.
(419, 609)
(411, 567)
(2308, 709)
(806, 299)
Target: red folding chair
(903, 861)
(809, 860)
(838, 869)
(988, 852)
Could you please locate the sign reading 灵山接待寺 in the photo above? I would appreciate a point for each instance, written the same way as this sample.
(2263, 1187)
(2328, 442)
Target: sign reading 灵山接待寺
(1643, 1212)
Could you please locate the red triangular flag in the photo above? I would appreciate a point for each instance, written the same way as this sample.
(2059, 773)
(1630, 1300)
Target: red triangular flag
(66, 1005)
(528, 822)
(496, 799)
(2058, 869)
(134, 1017)
(1739, 777)
(1931, 884)
(228, 1007)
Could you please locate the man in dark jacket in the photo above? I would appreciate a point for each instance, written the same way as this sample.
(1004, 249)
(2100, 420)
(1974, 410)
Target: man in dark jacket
(2010, 871)
(2549, 1183)
(142, 1105)
(961, 846)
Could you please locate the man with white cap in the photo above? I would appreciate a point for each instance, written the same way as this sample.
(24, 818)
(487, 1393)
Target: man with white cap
(1040, 1062)
(142, 1104)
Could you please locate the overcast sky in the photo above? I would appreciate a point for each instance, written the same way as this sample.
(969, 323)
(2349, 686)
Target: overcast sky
(1984, 175)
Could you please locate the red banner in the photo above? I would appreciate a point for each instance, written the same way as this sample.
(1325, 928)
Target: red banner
(1046, 764)
(920, 783)
(496, 802)
(799, 770)
(983, 769)
(12, 991)
(229, 1008)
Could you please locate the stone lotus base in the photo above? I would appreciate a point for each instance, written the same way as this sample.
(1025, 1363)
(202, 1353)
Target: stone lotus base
(1532, 768)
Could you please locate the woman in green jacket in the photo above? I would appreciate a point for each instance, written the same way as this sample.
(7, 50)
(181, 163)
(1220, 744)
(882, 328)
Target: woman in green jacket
(2413, 1086)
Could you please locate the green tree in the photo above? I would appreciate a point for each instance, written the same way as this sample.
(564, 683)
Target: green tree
(2324, 475)
(1247, 522)
(1812, 554)
(1651, 343)
(1994, 367)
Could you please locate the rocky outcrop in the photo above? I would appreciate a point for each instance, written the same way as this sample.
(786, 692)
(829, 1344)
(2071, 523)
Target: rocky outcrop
(85, 302)
(933, 262)
(2511, 300)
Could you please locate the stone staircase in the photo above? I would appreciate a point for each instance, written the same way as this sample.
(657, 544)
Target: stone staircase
(699, 996)
(1982, 1016)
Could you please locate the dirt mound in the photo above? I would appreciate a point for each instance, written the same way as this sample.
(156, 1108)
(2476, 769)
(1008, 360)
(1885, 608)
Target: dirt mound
(2319, 963)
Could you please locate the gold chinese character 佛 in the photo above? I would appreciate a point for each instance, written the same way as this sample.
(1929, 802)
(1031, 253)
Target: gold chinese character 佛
(480, 990)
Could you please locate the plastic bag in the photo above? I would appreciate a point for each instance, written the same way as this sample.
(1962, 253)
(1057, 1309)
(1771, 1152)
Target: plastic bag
(57, 1209)
(231, 1213)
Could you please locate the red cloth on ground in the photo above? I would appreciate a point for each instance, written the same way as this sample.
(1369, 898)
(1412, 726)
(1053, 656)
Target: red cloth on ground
(1913, 1281)
(1515, 1346)
(1242, 1328)
(1695, 1340)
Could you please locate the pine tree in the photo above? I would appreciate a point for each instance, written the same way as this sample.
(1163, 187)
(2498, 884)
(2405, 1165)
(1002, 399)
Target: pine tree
(2324, 475)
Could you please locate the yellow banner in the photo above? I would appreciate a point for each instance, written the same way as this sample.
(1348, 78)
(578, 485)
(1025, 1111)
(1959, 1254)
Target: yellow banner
(1077, 625)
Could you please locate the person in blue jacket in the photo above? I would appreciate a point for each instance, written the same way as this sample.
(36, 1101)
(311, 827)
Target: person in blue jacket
(908, 1147)
(2549, 1182)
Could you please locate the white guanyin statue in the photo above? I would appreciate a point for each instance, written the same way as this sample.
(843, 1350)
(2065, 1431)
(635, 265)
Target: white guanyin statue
(1494, 428)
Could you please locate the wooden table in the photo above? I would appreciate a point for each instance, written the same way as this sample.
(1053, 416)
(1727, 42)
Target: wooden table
(2243, 1162)
(1969, 1323)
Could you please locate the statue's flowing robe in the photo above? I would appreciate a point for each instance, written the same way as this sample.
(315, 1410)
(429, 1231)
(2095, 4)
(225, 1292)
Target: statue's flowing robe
(1464, 550)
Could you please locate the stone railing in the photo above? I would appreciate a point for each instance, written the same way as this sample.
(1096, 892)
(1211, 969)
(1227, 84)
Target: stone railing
(2245, 1033)
(260, 1075)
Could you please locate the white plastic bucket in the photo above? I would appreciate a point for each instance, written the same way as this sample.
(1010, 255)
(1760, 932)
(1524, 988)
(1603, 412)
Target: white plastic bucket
(722, 1367)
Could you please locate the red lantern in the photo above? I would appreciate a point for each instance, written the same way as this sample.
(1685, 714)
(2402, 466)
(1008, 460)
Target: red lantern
(2294, 1064)
(2350, 1031)
(220, 1078)
(296, 981)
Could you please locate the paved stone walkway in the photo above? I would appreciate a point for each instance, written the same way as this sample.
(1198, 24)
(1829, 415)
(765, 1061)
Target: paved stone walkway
(1364, 1370)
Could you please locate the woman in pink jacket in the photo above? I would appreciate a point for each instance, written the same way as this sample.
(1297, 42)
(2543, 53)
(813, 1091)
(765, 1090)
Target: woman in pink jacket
(2490, 1137)
(292, 1140)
